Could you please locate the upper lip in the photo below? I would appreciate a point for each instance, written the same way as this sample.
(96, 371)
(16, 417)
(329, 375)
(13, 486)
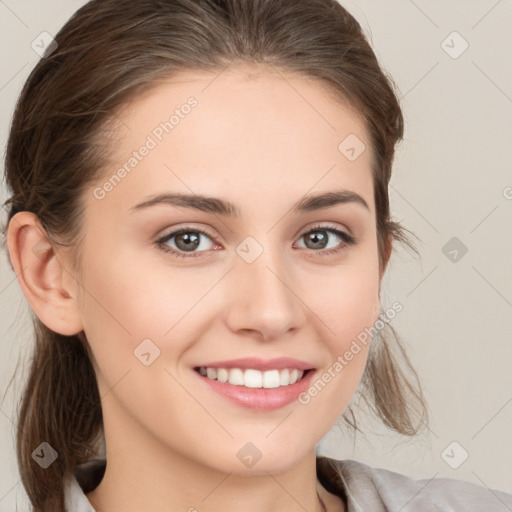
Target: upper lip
(279, 363)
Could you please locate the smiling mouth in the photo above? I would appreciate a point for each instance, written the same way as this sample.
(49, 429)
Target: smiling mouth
(252, 378)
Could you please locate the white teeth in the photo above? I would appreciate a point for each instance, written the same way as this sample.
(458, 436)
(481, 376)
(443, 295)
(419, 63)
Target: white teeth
(271, 379)
(251, 378)
(236, 377)
(222, 375)
(294, 376)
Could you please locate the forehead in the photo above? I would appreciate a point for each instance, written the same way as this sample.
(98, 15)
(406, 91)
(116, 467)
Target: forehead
(245, 128)
(243, 86)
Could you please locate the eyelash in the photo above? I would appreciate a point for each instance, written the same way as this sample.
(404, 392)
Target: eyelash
(161, 242)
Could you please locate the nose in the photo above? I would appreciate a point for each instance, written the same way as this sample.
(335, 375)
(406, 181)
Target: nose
(263, 297)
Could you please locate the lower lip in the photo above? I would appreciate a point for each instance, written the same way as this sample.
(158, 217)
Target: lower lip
(265, 399)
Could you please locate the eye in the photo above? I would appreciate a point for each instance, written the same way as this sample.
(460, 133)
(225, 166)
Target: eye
(187, 240)
(183, 242)
(319, 238)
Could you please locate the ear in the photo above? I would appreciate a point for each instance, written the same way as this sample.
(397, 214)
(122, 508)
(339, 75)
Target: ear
(45, 282)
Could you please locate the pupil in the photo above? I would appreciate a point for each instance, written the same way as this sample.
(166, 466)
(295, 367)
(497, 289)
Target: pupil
(318, 237)
(189, 241)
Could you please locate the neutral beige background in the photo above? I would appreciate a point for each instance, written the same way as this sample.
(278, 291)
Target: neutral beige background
(452, 178)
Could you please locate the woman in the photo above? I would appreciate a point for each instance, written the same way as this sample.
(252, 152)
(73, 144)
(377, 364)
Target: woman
(200, 222)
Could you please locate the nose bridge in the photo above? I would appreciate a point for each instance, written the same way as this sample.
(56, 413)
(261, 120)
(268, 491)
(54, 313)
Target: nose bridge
(263, 298)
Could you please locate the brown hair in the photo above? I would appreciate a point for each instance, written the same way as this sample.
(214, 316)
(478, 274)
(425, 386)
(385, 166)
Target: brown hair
(109, 52)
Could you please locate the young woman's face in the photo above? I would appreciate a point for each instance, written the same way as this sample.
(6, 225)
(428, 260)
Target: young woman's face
(251, 283)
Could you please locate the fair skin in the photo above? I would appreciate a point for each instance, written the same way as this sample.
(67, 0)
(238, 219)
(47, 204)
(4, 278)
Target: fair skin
(263, 145)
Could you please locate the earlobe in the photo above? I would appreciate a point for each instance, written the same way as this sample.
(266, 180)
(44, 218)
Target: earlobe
(40, 275)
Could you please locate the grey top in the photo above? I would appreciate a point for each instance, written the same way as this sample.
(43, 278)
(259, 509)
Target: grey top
(363, 489)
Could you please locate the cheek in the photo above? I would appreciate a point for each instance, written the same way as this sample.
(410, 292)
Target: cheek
(133, 316)
(347, 303)
(346, 299)
(125, 304)
(347, 318)
(126, 295)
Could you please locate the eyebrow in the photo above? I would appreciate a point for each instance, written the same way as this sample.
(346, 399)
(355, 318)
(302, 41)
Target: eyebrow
(219, 206)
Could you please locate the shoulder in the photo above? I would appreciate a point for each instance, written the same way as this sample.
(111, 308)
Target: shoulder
(378, 489)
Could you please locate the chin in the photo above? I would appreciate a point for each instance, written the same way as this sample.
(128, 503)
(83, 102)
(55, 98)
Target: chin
(249, 460)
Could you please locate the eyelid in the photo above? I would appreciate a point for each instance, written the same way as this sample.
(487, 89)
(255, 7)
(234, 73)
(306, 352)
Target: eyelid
(186, 229)
(328, 226)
